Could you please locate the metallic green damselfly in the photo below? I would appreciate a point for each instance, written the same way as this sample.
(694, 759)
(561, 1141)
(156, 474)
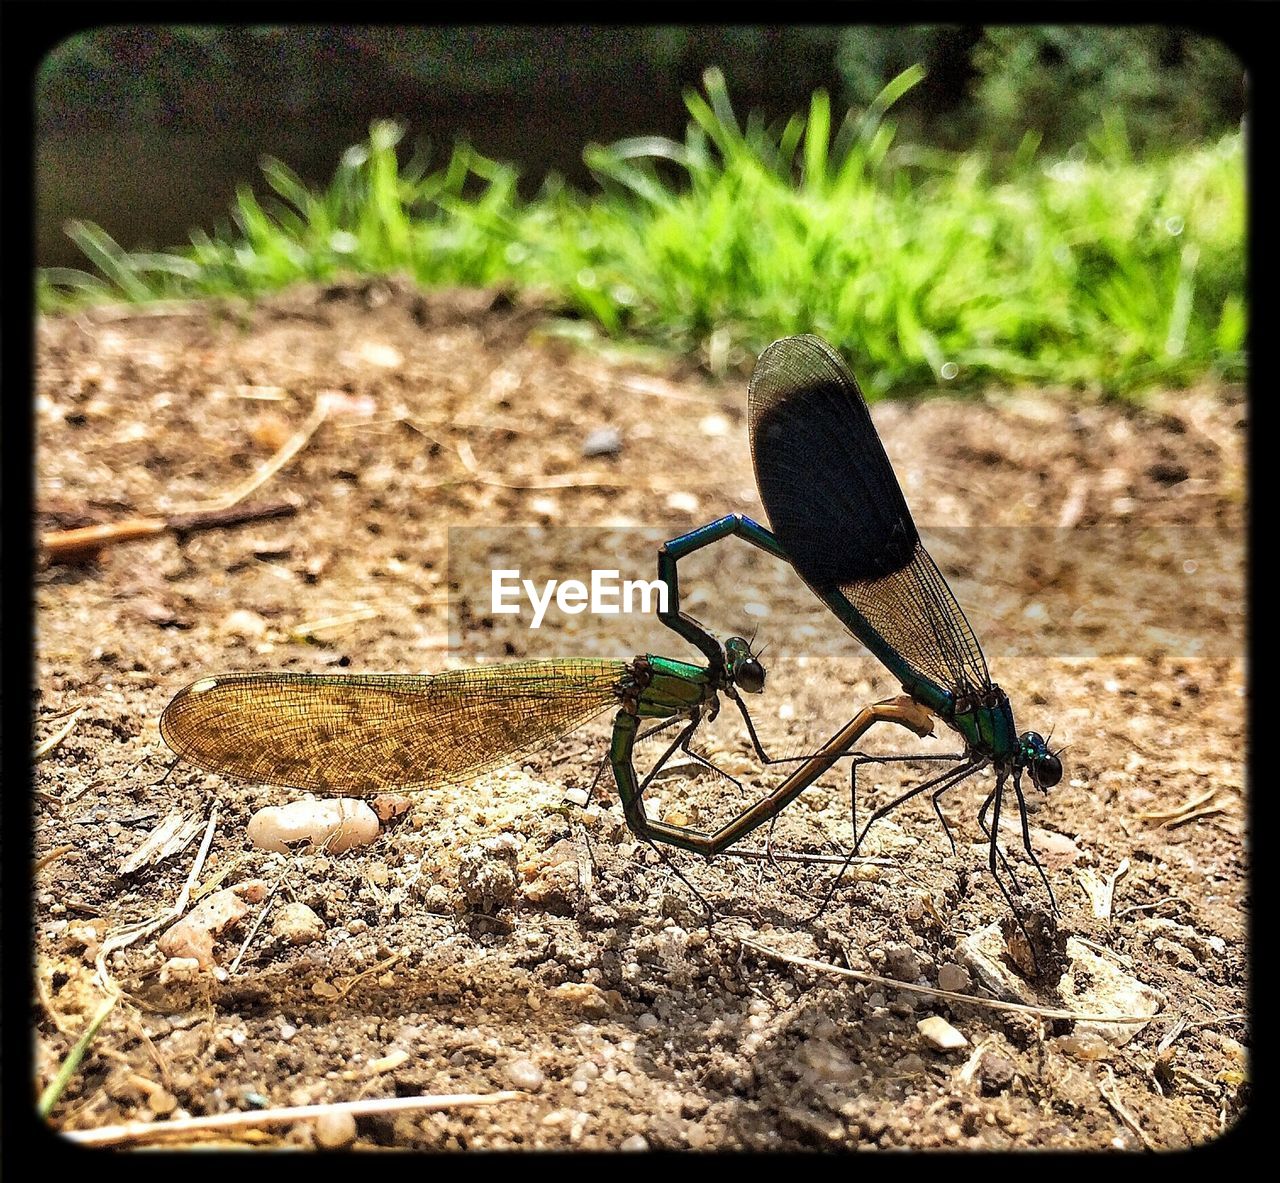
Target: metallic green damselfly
(362, 734)
(840, 520)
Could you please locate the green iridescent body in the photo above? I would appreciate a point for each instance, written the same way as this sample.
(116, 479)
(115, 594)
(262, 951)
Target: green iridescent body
(672, 688)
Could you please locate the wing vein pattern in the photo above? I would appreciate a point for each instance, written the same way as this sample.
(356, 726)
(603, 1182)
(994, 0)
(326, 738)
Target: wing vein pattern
(837, 508)
(365, 733)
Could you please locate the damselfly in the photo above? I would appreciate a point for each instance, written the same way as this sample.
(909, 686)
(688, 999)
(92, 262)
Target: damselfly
(362, 734)
(840, 519)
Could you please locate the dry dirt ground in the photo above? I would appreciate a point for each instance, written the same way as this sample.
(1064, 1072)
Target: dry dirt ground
(1098, 549)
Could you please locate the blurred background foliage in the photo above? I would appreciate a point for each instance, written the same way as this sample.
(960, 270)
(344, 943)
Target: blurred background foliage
(984, 86)
(959, 205)
(148, 129)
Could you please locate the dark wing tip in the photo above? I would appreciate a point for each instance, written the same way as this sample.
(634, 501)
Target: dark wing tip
(801, 360)
(826, 483)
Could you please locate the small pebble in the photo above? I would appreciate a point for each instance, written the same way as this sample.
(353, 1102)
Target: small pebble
(179, 969)
(525, 1074)
(390, 805)
(391, 1061)
(953, 977)
(386, 357)
(901, 962)
(333, 1130)
(941, 1034)
(243, 623)
(1084, 1045)
(436, 899)
(502, 845)
(827, 1062)
(193, 935)
(635, 1142)
(337, 825)
(588, 999)
(683, 502)
(604, 441)
(297, 924)
(487, 877)
(647, 1021)
(693, 1105)
(996, 1073)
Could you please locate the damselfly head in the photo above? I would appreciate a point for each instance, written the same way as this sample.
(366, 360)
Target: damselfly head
(744, 666)
(1044, 765)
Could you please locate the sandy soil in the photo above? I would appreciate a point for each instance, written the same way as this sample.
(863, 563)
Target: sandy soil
(1098, 549)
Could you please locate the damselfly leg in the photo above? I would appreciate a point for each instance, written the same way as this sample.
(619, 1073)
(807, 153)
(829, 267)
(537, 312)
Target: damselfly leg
(996, 856)
(940, 784)
(1026, 839)
(995, 797)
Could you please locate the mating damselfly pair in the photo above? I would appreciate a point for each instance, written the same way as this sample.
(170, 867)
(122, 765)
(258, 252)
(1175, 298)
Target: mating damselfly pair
(838, 517)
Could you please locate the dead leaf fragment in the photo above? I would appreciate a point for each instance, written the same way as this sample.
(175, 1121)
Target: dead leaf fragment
(193, 935)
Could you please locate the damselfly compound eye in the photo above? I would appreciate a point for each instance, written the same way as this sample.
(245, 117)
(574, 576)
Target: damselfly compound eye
(744, 667)
(750, 676)
(1046, 770)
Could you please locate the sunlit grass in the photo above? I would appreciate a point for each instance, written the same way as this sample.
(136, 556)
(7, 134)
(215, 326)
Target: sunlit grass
(929, 270)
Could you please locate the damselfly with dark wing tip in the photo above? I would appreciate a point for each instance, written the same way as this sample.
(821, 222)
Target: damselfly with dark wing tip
(840, 519)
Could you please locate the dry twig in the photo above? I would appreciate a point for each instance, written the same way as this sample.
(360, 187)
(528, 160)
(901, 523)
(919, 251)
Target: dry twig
(1186, 812)
(52, 857)
(144, 1131)
(288, 450)
(75, 546)
(1109, 1094)
(123, 940)
(43, 749)
(257, 924)
(1043, 1012)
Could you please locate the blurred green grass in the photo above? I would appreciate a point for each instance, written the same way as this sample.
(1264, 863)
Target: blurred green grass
(930, 270)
